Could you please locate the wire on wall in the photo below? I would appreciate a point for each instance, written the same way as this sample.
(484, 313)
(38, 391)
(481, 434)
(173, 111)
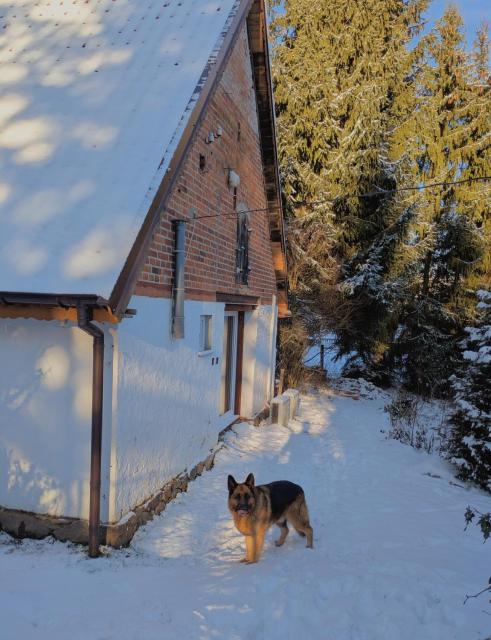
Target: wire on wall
(368, 194)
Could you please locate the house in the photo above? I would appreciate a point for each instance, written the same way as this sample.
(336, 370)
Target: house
(142, 257)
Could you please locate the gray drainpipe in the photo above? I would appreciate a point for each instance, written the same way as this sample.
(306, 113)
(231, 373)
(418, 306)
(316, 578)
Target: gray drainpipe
(179, 288)
(84, 317)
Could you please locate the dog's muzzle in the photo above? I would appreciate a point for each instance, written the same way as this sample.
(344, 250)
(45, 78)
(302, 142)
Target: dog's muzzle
(242, 510)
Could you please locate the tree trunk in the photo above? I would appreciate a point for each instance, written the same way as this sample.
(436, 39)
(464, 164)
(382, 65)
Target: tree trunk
(426, 273)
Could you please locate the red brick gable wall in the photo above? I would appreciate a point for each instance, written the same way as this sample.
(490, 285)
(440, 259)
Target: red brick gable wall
(211, 243)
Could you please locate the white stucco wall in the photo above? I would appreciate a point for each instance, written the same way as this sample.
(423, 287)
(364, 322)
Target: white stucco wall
(167, 398)
(258, 358)
(168, 395)
(161, 405)
(262, 360)
(45, 417)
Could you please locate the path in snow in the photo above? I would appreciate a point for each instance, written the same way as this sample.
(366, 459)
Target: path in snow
(391, 560)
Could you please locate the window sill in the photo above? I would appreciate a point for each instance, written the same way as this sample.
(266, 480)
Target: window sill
(204, 354)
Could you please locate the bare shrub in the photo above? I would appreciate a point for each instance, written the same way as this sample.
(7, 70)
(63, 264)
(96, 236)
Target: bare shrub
(407, 424)
(293, 343)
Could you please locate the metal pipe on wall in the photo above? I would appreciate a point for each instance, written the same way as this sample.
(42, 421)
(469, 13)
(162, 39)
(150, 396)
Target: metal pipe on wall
(84, 322)
(179, 286)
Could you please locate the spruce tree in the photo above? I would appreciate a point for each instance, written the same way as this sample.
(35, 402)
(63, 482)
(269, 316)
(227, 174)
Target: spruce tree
(451, 136)
(363, 111)
(344, 90)
(470, 445)
(476, 199)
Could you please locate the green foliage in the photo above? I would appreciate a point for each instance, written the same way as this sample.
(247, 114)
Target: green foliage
(483, 522)
(343, 89)
(360, 110)
(470, 445)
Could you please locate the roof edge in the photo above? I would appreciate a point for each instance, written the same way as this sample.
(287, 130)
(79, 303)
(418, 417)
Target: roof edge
(52, 299)
(260, 52)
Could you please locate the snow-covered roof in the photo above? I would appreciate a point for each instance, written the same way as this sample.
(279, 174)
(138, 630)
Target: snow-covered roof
(94, 96)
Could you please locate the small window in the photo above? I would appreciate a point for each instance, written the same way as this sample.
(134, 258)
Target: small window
(205, 333)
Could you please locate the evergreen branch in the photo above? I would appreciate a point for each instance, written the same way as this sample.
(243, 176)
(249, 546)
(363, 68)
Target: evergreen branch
(312, 262)
(378, 191)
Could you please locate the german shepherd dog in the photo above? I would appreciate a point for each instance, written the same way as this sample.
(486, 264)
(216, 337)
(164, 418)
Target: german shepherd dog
(255, 509)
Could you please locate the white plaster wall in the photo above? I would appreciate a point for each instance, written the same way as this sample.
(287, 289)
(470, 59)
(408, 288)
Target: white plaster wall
(161, 404)
(262, 360)
(167, 415)
(257, 359)
(248, 364)
(168, 396)
(45, 417)
(273, 339)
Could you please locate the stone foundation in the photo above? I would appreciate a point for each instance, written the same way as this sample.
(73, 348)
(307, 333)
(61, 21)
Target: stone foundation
(22, 524)
(120, 534)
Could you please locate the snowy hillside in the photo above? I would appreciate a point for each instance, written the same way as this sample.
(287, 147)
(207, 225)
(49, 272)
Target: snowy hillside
(390, 558)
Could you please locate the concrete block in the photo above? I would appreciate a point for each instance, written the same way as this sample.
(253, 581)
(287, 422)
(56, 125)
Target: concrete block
(294, 396)
(280, 410)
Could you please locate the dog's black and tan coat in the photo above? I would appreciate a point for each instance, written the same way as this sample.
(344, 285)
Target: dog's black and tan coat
(255, 509)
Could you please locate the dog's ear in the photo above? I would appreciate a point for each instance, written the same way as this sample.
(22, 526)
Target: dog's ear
(250, 480)
(232, 483)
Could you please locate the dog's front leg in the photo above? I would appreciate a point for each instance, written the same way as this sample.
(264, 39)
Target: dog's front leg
(250, 547)
(259, 542)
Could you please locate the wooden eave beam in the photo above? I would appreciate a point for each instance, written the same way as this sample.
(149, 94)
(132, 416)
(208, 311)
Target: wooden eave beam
(256, 23)
(45, 312)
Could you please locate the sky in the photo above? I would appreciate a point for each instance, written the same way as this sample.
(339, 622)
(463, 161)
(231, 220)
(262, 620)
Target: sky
(472, 12)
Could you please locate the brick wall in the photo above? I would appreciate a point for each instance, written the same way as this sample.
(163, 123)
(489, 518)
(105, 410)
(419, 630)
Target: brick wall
(211, 243)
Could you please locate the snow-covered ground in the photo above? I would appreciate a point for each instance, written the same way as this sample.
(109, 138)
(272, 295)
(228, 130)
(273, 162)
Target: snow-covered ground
(390, 558)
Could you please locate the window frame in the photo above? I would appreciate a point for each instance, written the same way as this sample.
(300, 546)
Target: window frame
(242, 262)
(205, 334)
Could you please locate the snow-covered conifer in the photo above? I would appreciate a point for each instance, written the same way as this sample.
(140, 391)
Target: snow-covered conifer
(470, 447)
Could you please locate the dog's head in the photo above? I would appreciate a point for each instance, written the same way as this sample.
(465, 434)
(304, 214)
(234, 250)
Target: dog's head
(241, 495)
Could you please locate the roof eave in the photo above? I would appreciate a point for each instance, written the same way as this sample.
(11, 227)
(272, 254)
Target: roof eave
(258, 28)
(53, 299)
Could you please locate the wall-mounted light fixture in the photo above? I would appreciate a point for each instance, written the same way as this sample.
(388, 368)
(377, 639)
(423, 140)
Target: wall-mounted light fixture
(233, 179)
